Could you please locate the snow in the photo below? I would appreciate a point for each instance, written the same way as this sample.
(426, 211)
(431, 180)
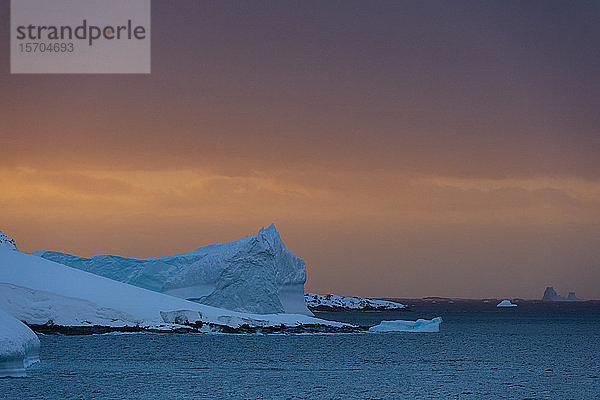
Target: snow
(37, 291)
(254, 274)
(506, 303)
(19, 346)
(420, 325)
(349, 303)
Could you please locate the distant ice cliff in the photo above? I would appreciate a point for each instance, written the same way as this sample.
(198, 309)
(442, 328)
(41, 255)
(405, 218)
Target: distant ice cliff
(551, 295)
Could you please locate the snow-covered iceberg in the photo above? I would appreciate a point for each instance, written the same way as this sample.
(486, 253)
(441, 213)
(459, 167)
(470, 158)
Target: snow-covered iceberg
(255, 274)
(334, 302)
(506, 303)
(551, 295)
(40, 291)
(19, 346)
(420, 325)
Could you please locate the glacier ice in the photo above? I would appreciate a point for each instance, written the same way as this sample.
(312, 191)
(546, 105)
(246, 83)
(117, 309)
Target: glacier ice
(334, 301)
(506, 303)
(19, 346)
(255, 274)
(39, 291)
(420, 325)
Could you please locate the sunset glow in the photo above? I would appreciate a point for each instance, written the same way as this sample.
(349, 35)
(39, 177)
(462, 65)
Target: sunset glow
(469, 152)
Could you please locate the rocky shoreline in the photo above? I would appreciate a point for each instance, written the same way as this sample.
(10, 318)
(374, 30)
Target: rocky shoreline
(53, 329)
(322, 307)
(334, 302)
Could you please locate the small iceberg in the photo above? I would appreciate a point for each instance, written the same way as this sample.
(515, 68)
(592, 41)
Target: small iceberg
(420, 325)
(506, 303)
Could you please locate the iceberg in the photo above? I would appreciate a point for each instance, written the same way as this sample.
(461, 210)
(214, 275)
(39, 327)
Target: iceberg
(334, 302)
(572, 297)
(506, 303)
(19, 346)
(42, 292)
(551, 295)
(255, 274)
(420, 325)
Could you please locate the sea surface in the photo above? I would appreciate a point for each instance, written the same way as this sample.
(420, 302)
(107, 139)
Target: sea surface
(536, 351)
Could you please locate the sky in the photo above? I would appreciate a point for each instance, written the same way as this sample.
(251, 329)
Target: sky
(403, 149)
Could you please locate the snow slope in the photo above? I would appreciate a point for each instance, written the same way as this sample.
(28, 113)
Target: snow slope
(255, 274)
(37, 290)
(335, 302)
(19, 346)
(420, 325)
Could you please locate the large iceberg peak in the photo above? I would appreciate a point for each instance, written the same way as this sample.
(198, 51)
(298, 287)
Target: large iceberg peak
(6, 242)
(289, 268)
(269, 232)
(262, 276)
(255, 273)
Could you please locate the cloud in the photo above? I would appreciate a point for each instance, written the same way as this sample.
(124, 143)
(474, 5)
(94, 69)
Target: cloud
(384, 197)
(402, 226)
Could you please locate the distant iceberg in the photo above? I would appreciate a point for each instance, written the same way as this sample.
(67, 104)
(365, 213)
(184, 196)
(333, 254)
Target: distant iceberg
(420, 325)
(572, 297)
(19, 346)
(551, 295)
(506, 303)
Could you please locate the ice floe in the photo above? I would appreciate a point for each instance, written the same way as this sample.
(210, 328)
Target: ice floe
(506, 303)
(420, 325)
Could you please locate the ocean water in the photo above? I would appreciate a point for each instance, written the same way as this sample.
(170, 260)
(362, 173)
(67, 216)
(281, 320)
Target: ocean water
(536, 351)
